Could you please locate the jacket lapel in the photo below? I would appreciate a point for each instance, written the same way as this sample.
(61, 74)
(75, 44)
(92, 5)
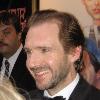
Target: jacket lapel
(81, 91)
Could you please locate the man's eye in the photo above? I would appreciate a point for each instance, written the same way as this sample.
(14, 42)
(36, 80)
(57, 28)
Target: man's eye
(6, 32)
(27, 51)
(44, 50)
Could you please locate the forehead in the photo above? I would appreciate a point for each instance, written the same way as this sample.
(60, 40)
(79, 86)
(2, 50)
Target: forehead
(43, 29)
(3, 27)
(6, 27)
(43, 32)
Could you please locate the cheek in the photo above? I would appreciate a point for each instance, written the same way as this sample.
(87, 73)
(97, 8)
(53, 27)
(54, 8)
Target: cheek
(12, 41)
(28, 67)
(52, 60)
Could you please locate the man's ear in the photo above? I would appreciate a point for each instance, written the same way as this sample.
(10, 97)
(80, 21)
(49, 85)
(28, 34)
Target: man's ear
(76, 53)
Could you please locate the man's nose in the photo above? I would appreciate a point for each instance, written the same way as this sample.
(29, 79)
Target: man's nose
(97, 2)
(34, 61)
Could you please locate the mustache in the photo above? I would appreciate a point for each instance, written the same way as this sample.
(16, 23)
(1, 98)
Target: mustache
(2, 43)
(37, 69)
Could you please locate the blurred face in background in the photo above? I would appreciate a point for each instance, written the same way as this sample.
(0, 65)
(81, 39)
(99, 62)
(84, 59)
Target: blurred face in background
(93, 8)
(9, 40)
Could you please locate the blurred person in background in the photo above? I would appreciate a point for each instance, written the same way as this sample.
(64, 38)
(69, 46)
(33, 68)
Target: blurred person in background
(91, 69)
(93, 31)
(13, 54)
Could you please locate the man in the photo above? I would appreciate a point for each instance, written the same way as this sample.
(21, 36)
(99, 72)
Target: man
(12, 50)
(56, 40)
(93, 31)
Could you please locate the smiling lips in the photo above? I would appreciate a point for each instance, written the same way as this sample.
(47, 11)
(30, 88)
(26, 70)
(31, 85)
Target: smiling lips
(40, 72)
(96, 11)
(40, 75)
(1, 45)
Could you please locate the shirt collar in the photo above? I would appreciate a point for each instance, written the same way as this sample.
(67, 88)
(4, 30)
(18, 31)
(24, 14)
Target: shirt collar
(13, 58)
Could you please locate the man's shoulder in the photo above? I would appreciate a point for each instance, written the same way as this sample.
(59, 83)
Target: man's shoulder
(95, 93)
(84, 91)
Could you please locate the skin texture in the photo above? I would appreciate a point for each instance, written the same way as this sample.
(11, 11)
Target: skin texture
(51, 67)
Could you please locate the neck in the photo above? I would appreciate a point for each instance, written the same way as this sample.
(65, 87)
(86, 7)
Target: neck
(63, 83)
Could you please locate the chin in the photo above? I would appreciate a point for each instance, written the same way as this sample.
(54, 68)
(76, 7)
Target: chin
(42, 86)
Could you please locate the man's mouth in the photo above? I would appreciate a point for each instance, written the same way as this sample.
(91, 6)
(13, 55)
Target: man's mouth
(40, 73)
(96, 11)
(40, 76)
(2, 45)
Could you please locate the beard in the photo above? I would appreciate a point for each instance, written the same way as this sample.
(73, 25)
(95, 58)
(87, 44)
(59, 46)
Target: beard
(54, 77)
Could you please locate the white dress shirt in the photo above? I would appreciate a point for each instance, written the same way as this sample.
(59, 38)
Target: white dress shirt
(12, 61)
(67, 91)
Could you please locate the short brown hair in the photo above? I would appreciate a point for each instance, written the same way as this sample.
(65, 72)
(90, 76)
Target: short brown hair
(70, 32)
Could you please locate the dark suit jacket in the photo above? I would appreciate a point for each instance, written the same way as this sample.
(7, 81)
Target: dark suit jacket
(20, 74)
(83, 91)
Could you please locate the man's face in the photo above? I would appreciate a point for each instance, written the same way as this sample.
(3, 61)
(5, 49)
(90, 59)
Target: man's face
(46, 59)
(93, 8)
(9, 40)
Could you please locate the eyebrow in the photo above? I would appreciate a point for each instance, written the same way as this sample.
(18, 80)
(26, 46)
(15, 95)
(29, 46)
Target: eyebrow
(2, 28)
(40, 47)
